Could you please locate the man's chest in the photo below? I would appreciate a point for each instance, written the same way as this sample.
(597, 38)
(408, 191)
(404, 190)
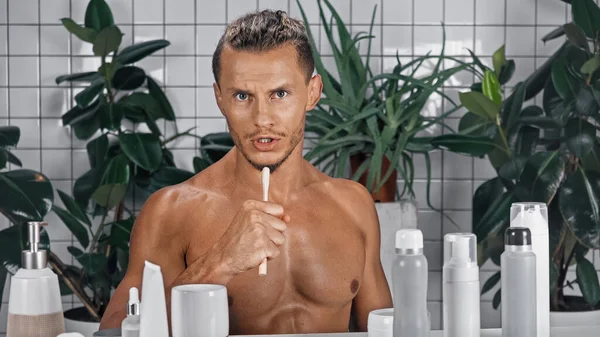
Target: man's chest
(321, 261)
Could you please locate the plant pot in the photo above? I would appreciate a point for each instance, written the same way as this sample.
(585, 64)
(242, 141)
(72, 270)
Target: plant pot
(387, 192)
(575, 318)
(392, 217)
(78, 320)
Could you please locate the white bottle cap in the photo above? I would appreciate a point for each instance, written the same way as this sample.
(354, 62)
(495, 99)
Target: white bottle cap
(460, 249)
(409, 239)
(133, 306)
(532, 215)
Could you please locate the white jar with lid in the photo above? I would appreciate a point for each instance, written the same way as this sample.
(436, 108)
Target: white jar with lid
(381, 323)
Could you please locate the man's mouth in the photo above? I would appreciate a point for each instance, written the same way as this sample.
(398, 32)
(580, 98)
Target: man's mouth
(265, 140)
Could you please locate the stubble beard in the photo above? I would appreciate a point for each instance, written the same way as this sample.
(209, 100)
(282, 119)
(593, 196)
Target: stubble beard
(294, 141)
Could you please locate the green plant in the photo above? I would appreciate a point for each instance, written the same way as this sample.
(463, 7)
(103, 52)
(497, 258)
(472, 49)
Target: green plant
(373, 121)
(26, 195)
(548, 153)
(117, 101)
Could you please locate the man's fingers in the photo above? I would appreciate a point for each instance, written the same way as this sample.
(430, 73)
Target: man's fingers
(275, 223)
(272, 250)
(275, 236)
(273, 209)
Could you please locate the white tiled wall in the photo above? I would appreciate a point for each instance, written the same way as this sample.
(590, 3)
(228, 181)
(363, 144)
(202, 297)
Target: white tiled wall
(35, 48)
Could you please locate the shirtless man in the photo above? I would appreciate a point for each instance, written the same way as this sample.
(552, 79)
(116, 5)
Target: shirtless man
(320, 235)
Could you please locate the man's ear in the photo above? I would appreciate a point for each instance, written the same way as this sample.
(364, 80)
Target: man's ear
(218, 96)
(315, 88)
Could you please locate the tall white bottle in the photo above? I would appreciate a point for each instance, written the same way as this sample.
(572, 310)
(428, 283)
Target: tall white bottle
(534, 216)
(461, 286)
(409, 277)
(34, 305)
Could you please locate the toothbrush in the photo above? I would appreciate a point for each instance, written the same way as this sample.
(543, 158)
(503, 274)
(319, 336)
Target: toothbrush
(262, 269)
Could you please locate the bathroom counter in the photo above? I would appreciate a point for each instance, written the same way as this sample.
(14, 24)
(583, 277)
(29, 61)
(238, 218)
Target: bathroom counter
(554, 332)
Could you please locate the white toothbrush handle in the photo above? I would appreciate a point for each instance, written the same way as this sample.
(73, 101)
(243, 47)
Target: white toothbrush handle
(262, 268)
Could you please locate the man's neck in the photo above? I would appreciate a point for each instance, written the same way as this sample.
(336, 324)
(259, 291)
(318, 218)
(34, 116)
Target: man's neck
(284, 181)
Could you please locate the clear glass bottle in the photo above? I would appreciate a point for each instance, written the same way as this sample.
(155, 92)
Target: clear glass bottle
(130, 327)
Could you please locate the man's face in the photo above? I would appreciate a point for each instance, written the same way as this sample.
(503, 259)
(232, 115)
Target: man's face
(264, 97)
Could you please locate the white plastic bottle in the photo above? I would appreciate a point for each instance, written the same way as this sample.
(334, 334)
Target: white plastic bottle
(518, 279)
(409, 277)
(130, 327)
(534, 215)
(461, 286)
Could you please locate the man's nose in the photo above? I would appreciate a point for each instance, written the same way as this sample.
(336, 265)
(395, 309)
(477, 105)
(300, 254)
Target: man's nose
(264, 116)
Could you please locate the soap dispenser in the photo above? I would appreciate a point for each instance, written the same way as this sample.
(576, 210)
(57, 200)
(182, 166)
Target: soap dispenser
(34, 304)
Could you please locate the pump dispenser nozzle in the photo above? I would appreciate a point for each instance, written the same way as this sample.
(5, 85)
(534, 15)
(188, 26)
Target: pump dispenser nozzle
(34, 258)
(133, 307)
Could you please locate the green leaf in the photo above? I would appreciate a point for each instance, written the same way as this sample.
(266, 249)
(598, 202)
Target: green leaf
(580, 206)
(74, 209)
(477, 61)
(13, 159)
(92, 263)
(484, 197)
(565, 85)
(120, 233)
(143, 149)
(556, 33)
(541, 177)
(97, 150)
(512, 169)
(587, 278)
(506, 72)
(496, 216)
(591, 162)
(85, 186)
(114, 183)
(496, 300)
(86, 77)
(471, 124)
(585, 103)
(26, 195)
(479, 104)
(167, 176)
(200, 164)
(83, 33)
(464, 144)
(162, 100)
(214, 146)
(576, 36)
(84, 130)
(491, 87)
(89, 94)
(490, 283)
(74, 226)
(15, 239)
(513, 105)
(581, 136)
(9, 135)
(98, 15)
(144, 101)
(128, 78)
(536, 81)
(108, 40)
(541, 122)
(138, 51)
(499, 59)
(591, 65)
(78, 114)
(586, 15)
(110, 116)
(3, 158)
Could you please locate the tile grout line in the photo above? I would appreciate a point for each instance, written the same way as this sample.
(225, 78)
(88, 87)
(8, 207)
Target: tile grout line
(39, 73)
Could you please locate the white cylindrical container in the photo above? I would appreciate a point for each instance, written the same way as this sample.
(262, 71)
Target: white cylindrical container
(381, 323)
(518, 279)
(130, 327)
(534, 215)
(461, 286)
(410, 277)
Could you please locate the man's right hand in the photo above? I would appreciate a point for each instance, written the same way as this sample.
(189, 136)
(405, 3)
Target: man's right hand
(255, 233)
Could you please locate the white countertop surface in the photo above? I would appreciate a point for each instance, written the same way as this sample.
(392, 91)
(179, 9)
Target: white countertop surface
(554, 332)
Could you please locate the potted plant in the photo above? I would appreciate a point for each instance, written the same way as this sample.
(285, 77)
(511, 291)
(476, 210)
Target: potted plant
(369, 127)
(117, 114)
(548, 153)
(27, 195)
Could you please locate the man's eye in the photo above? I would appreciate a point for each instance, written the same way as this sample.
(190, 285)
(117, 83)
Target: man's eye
(281, 94)
(241, 96)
